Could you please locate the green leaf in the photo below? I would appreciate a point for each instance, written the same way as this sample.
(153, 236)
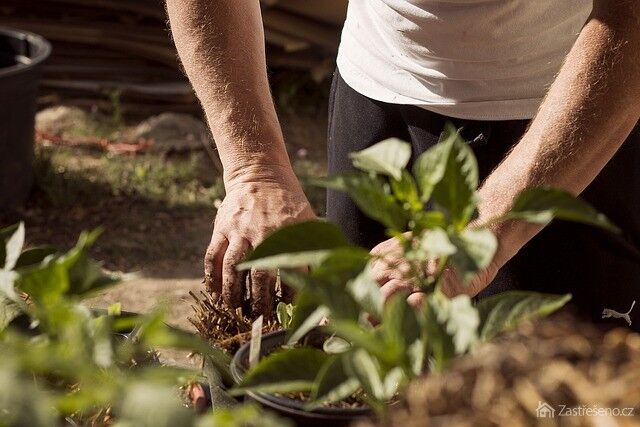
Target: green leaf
(366, 291)
(5, 235)
(34, 256)
(155, 333)
(476, 249)
(388, 157)
(435, 243)
(296, 245)
(394, 380)
(336, 345)
(9, 310)
(115, 309)
(361, 337)
(366, 369)
(342, 265)
(400, 327)
(541, 205)
(456, 191)
(406, 191)
(333, 383)
(7, 285)
(85, 274)
(285, 371)
(150, 405)
(439, 342)
(256, 341)
(505, 311)
(13, 247)
(372, 196)
(460, 319)
(308, 312)
(430, 167)
(284, 313)
(246, 415)
(45, 282)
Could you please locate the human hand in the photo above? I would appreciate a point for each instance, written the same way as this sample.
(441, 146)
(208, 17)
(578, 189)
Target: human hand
(393, 274)
(252, 208)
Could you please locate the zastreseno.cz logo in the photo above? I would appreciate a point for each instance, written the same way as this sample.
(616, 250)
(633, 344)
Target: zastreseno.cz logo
(545, 410)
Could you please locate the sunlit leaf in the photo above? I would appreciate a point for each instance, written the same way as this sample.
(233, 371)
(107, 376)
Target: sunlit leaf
(287, 371)
(9, 310)
(395, 379)
(336, 345)
(430, 166)
(460, 319)
(284, 314)
(406, 190)
(150, 405)
(388, 157)
(372, 197)
(34, 256)
(366, 291)
(541, 205)
(435, 243)
(365, 368)
(13, 247)
(505, 311)
(333, 383)
(455, 192)
(476, 248)
(296, 245)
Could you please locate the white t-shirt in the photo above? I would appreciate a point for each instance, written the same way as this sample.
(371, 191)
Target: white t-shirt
(471, 59)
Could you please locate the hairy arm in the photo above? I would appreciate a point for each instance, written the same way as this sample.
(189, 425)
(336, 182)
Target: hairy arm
(221, 45)
(588, 113)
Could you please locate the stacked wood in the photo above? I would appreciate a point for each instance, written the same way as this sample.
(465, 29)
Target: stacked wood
(118, 54)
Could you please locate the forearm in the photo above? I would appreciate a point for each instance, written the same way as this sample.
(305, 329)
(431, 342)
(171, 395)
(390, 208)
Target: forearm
(588, 113)
(221, 45)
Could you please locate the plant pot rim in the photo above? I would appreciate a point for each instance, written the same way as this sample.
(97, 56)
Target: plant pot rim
(42, 50)
(284, 404)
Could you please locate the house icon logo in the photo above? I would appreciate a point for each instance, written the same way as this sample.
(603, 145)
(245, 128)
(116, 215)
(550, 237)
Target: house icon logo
(544, 410)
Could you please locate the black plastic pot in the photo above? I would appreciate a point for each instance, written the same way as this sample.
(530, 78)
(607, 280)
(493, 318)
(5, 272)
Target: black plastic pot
(21, 57)
(290, 408)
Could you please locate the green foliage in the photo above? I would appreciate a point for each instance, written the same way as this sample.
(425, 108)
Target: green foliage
(389, 157)
(59, 359)
(373, 349)
(541, 205)
(505, 311)
(285, 371)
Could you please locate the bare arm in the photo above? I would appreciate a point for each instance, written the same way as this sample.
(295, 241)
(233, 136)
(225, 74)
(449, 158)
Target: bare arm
(588, 113)
(221, 45)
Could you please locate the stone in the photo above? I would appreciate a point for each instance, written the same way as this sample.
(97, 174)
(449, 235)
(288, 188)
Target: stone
(173, 132)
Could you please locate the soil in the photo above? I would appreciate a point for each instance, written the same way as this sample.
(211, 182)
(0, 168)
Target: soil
(151, 234)
(561, 360)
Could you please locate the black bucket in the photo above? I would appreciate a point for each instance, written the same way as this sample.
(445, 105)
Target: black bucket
(289, 408)
(21, 57)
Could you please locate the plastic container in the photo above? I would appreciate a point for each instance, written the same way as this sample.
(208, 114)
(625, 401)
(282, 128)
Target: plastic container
(290, 408)
(21, 57)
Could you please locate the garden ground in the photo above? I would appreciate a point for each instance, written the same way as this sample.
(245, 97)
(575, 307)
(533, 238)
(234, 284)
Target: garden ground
(156, 210)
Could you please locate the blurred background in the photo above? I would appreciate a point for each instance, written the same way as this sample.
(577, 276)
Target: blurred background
(120, 140)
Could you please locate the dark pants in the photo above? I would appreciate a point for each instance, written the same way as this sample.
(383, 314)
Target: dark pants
(600, 269)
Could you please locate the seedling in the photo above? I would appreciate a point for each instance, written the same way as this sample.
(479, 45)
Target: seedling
(379, 348)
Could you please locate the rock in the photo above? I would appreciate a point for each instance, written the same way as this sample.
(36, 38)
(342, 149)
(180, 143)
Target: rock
(61, 120)
(173, 132)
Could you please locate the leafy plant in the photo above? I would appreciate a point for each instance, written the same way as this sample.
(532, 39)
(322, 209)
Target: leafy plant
(378, 348)
(61, 361)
